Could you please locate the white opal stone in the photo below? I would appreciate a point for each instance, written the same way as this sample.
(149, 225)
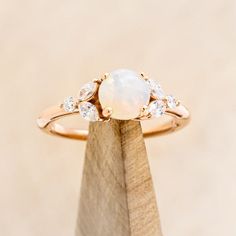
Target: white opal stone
(125, 92)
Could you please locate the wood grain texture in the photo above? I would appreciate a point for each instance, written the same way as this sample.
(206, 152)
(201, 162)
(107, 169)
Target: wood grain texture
(117, 195)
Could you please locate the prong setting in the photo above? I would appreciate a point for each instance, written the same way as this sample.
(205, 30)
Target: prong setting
(105, 76)
(144, 111)
(98, 81)
(144, 76)
(107, 112)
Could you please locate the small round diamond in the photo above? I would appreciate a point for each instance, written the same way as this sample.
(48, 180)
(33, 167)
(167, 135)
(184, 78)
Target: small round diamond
(156, 90)
(88, 111)
(87, 91)
(156, 108)
(69, 104)
(171, 101)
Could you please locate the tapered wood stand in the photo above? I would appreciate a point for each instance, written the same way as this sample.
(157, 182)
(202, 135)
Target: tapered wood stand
(117, 195)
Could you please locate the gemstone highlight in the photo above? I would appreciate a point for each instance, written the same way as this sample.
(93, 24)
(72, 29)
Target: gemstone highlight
(171, 101)
(156, 108)
(88, 111)
(69, 104)
(87, 91)
(156, 90)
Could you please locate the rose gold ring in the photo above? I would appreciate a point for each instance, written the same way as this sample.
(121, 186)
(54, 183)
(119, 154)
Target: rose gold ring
(124, 95)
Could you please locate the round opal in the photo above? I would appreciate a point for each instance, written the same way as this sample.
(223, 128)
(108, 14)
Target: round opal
(125, 92)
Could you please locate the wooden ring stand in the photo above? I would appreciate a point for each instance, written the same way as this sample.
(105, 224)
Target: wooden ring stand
(117, 196)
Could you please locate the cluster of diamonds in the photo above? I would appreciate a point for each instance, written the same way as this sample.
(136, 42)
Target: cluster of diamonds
(88, 107)
(82, 103)
(159, 102)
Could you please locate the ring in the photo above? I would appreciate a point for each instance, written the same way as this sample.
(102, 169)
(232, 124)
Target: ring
(122, 94)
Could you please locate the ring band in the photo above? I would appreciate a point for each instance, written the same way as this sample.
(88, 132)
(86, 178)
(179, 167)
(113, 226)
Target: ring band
(123, 95)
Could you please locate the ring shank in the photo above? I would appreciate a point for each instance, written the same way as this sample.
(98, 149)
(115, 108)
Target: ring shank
(48, 122)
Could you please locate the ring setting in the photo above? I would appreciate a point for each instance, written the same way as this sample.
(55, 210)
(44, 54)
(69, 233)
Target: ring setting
(123, 95)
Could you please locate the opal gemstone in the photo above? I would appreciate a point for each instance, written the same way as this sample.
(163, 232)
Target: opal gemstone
(126, 92)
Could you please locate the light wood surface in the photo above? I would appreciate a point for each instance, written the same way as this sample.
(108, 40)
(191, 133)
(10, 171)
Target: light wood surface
(117, 195)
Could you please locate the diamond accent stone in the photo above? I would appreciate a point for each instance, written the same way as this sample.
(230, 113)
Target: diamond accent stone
(88, 111)
(69, 104)
(156, 90)
(157, 108)
(171, 101)
(87, 91)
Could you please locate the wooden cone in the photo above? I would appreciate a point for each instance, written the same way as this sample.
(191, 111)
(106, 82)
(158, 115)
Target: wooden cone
(117, 195)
